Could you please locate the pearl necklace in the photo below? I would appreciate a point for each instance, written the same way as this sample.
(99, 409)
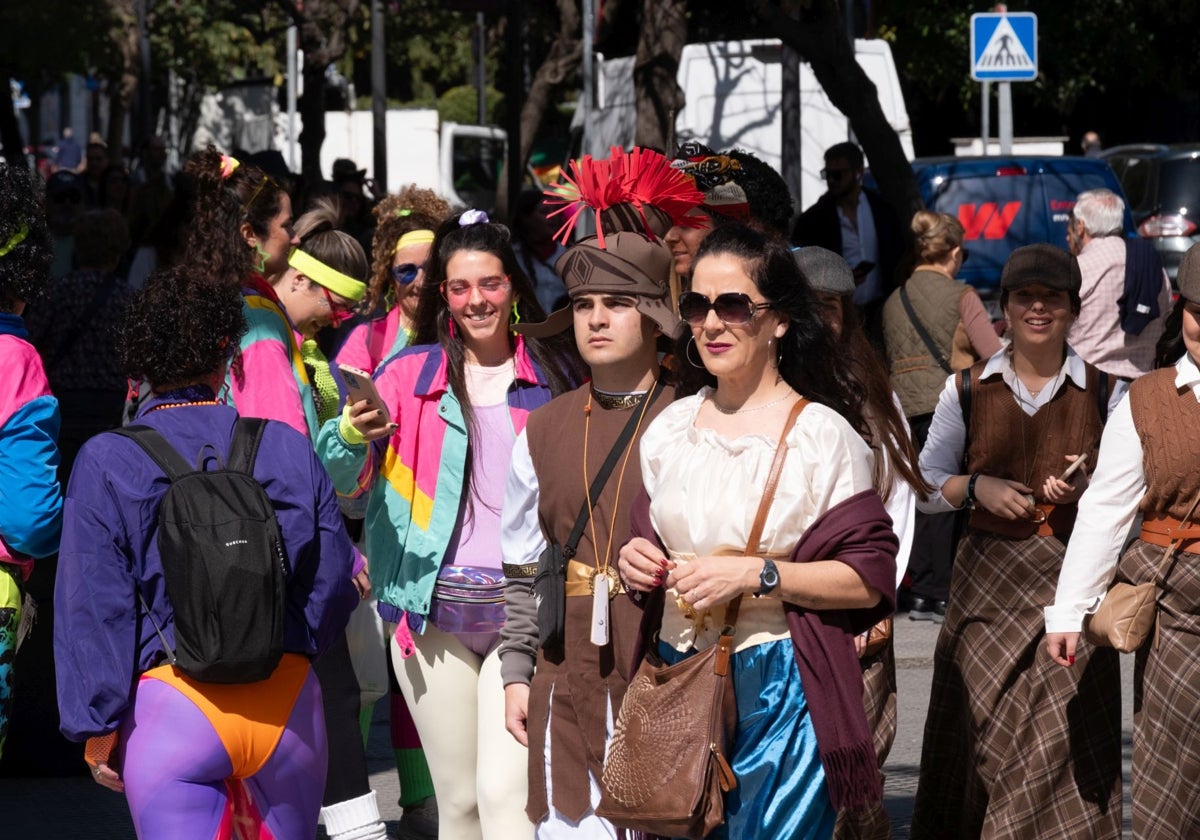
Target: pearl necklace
(724, 410)
(182, 404)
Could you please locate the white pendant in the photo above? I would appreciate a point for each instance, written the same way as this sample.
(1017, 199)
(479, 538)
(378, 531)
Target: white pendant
(600, 610)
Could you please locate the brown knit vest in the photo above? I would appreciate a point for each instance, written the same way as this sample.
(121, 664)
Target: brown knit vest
(569, 688)
(1167, 420)
(1005, 442)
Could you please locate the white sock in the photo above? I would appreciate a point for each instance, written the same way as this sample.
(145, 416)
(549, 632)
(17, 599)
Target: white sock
(354, 819)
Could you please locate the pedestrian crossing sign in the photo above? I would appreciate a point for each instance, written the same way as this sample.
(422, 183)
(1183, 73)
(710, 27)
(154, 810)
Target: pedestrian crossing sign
(1004, 47)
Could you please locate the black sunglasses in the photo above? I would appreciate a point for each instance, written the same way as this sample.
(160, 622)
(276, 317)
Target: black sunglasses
(734, 309)
(406, 273)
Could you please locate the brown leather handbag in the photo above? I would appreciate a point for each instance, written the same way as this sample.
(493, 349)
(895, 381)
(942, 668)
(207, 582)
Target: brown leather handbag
(666, 769)
(877, 637)
(1128, 615)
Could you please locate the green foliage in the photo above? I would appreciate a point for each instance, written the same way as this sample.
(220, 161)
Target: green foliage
(44, 40)
(211, 42)
(460, 105)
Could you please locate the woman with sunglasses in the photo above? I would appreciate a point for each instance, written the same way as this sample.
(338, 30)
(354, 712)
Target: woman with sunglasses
(454, 403)
(932, 304)
(404, 226)
(1014, 745)
(757, 339)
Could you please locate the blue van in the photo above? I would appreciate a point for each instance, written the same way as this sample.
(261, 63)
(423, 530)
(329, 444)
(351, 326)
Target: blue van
(1006, 202)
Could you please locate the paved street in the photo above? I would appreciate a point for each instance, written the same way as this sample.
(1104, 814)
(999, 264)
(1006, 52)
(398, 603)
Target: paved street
(49, 809)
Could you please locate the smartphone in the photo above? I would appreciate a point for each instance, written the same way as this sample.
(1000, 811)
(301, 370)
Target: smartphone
(360, 387)
(1075, 465)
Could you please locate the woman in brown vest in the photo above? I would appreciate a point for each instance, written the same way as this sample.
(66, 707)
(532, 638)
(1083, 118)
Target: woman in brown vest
(1149, 463)
(1014, 746)
(952, 316)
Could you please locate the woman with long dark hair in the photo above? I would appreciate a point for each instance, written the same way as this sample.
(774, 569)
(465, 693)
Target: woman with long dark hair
(757, 341)
(453, 404)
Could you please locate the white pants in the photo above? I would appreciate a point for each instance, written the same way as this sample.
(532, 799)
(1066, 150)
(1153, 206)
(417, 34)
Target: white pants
(480, 773)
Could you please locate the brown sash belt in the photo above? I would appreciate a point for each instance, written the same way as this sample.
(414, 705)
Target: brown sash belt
(1160, 530)
(1048, 521)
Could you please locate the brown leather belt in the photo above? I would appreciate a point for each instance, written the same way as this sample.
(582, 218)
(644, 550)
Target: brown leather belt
(1161, 530)
(1047, 521)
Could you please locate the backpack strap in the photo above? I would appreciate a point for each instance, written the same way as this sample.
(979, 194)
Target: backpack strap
(1102, 392)
(964, 397)
(247, 435)
(156, 446)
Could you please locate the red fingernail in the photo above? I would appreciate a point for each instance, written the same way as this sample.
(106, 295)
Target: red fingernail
(1070, 660)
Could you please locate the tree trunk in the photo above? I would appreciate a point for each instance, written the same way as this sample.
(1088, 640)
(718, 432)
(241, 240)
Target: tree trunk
(819, 35)
(656, 88)
(311, 107)
(10, 132)
(124, 86)
(562, 62)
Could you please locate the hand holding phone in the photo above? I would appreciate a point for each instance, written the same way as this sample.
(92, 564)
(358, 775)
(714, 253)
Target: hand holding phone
(360, 387)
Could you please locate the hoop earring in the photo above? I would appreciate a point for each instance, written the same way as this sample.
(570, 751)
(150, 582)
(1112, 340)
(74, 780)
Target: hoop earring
(687, 353)
(453, 331)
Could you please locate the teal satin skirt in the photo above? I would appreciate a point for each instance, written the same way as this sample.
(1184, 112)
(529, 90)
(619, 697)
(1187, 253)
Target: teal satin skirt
(781, 792)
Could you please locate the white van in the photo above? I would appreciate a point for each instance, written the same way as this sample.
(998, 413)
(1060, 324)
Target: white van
(733, 100)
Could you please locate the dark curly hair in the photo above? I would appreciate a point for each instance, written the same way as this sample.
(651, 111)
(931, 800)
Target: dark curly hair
(214, 242)
(809, 361)
(25, 268)
(413, 208)
(766, 192)
(180, 328)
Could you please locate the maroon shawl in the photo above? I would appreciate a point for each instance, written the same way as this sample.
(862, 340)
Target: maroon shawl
(858, 531)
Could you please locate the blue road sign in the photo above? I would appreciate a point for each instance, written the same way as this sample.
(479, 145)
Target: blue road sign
(1004, 47)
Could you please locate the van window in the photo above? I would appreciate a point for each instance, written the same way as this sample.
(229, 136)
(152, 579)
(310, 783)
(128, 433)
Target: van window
(1179, 186)
(476, 169)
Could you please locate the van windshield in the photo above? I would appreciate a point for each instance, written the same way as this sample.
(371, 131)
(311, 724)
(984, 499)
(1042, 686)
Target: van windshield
(1179, 186)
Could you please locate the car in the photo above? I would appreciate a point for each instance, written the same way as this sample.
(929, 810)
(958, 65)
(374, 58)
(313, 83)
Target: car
(1005, 202)
(1162, 184)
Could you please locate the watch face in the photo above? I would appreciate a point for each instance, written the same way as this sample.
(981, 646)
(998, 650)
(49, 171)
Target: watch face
(769, 577)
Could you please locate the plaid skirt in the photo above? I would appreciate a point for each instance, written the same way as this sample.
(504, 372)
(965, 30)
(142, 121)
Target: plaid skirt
(1165, 782)
(879, 702)
(1015, 745)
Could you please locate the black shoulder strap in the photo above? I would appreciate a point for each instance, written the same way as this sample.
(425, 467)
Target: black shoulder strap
(247, 435)
(964, 397)
(606, 470)
(1104, 388)
(156, 446)
(934, 350)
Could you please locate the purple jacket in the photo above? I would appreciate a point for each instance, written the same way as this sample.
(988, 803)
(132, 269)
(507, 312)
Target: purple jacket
(109, 552)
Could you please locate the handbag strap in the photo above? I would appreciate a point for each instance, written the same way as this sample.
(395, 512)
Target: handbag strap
(606, 469)
(764, 506)
(1164, 565)
(934, 350)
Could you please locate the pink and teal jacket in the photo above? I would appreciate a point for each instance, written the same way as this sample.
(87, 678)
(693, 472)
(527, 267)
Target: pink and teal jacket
(30, 498)
(273, 382)
(416, 475)
(371, 344)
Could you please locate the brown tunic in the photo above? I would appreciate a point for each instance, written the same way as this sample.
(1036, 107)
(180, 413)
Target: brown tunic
(1168, 425)
(569, 688)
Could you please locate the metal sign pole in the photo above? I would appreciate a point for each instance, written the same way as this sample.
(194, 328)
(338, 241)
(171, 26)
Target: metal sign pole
(985, 133)
(293, 163)
(1006, 118)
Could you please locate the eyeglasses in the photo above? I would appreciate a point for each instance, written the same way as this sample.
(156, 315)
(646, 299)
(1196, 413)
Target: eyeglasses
(734, 309)
(338, 310)
(406, 273)
(490, 287)
(833, 174)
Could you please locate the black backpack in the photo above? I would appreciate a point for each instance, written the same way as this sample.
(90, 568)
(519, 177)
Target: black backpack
(223, 560)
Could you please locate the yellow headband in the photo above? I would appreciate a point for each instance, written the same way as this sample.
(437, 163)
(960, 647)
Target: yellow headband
(335, 281)
(415, 237)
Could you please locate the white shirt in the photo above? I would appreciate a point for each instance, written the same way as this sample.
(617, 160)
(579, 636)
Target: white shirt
(859, 244)
(1106, 512)
(521, 538)
(941, 459)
